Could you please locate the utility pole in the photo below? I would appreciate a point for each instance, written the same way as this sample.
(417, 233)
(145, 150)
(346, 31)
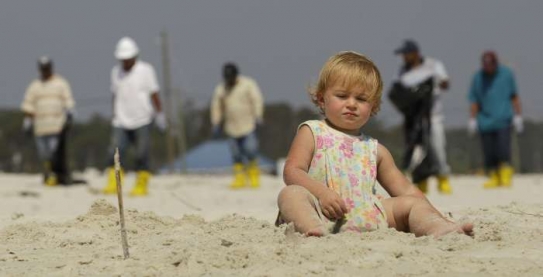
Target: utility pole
(180, 134)
(167, 93)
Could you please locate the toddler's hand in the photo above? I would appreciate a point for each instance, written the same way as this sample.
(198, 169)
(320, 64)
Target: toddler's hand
(333, 207)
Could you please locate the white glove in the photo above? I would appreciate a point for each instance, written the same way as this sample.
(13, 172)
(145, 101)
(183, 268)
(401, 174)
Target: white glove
(472, 126)
(160, 121)
(27, 124)
(518, 123)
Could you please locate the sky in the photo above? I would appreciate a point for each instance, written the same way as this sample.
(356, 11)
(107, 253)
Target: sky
(281, 44)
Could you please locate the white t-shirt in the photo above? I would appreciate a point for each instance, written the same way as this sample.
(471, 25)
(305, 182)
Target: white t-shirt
(430, 67)
(133, 107)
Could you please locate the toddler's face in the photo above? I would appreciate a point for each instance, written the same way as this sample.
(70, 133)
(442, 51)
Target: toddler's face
(347, 109)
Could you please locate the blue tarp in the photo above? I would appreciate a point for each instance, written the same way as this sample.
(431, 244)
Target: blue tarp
(214, 156)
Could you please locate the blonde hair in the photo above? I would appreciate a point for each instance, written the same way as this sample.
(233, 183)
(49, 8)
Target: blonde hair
(352, 70)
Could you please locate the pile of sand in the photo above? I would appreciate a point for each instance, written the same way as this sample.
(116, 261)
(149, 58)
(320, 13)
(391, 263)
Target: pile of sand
(508, 241)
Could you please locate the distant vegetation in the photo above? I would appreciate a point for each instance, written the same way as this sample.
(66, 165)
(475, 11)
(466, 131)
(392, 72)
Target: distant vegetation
(89, 141)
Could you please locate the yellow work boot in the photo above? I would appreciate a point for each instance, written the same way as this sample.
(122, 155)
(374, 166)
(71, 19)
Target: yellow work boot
(423, 186)
(111, 187)
(493, 181)
(254, 174)
(142, 180)
(50, 177)
(443, 184)
(506, 175)
(51, 180)
(239, 177)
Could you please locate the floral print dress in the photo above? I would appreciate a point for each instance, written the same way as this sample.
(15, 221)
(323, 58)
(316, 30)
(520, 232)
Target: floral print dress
(348, 165)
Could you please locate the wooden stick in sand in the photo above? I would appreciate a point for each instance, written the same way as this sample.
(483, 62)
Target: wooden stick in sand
(120, 199)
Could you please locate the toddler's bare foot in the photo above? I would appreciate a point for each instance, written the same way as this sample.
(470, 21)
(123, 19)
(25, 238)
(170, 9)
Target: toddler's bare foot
(316, 232)
(450, 227)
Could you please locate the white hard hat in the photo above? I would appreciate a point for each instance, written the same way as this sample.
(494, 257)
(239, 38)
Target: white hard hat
(126, 49)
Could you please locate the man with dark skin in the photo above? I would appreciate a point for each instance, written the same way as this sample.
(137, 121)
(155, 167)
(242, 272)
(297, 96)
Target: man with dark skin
(136, 105)
(414, 59)
(237, 109)
(48, 106)
(230, 74)
(45, 69)
(155, 97)
(494, 108)
(416, 69)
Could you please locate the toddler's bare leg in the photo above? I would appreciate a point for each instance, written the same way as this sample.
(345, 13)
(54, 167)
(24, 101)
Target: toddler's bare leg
(297, 206)
(416, 215)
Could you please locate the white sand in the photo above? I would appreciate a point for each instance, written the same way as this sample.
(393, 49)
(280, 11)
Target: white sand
(186, 228)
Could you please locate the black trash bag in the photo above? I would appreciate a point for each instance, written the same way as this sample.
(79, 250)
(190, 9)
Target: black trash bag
(426, 168)
(411, 101)
(60, 165)
(415, 103)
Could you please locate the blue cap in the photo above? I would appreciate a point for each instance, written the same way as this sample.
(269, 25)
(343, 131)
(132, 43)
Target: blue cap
(408, 46)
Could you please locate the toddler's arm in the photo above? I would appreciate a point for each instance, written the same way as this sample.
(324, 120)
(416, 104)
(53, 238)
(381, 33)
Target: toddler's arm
(295, 173)
(391, 178)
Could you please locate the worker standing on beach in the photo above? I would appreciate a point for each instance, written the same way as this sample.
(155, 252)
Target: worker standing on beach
(494, 108)
(237, 109)
(136, 104)
(416, 70)
(48, 107)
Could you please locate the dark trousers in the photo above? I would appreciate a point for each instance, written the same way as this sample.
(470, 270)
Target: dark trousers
(496, 147)
(52, 149)
(140, 137)
(244, 148)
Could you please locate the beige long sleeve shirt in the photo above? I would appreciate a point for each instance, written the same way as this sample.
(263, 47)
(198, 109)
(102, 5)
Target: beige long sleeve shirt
(47, 102)
(240, 108)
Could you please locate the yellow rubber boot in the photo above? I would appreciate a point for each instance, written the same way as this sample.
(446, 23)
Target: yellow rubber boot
(443, 184)
(240, 179)
(493, 181)
(51, 178)
(111, 187)
(142, 181)
(254, 174)
(506, 175)
(423, 186)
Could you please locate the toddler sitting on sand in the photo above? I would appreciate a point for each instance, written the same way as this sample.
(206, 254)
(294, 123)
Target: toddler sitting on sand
(332, 168)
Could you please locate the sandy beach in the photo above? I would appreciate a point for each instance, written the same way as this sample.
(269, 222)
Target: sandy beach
(195, 226)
